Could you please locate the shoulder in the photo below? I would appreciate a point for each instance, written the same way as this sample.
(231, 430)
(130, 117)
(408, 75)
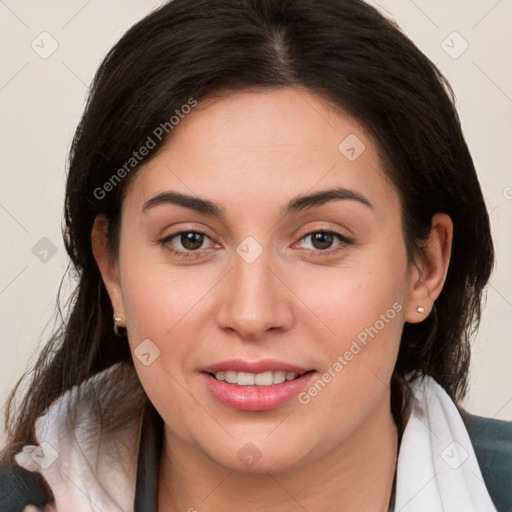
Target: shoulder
(95, 430)
(492, 442)
(19, 488)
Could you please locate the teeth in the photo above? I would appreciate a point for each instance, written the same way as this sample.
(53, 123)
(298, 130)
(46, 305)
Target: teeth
(258, 379)
(280, 377)
(231, 377)
(264, 379)
(245, 379)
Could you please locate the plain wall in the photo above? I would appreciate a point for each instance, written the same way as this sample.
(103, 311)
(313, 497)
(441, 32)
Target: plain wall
(42, 98)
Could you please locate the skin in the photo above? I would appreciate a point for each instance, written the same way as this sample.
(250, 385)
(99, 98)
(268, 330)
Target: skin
(251, 153)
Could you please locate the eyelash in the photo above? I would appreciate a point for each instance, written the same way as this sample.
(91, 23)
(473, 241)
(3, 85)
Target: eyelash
(344, 241)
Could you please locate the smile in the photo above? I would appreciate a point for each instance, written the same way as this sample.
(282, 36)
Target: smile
(255, 379)
(255, 386)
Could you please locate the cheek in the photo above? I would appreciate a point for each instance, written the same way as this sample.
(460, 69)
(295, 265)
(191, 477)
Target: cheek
(161, 304)
(362, 309)
(357, 299)
(158, 296)
(165, 308)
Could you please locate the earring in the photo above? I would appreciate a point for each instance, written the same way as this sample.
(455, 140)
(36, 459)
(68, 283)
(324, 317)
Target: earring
(117, 332)
(419, 309)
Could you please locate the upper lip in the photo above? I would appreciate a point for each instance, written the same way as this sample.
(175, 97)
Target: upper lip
(265, 365)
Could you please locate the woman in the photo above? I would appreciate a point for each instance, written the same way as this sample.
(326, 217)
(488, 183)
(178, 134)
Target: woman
(281, 245)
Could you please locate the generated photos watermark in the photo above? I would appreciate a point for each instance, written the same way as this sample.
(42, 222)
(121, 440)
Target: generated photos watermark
(344, 359)
(158, 134)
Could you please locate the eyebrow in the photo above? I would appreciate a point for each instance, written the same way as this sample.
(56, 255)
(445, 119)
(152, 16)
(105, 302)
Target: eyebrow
(295, 205)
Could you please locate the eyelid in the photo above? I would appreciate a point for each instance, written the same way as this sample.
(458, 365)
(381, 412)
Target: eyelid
(344, 232)
(330, 231)
(166, 239)
(344, 241)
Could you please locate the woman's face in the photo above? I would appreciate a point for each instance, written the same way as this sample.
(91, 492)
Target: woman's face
(264, 237)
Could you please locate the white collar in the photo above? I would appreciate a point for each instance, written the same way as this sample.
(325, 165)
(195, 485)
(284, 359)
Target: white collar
(89, 470)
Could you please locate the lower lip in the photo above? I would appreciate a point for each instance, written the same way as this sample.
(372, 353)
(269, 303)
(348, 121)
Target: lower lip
(256, 398)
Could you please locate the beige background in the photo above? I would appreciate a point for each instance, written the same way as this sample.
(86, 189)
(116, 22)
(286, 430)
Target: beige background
(41, 100)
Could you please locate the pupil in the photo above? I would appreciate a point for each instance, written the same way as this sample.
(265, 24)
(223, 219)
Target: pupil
(322, 240)
(191, 240)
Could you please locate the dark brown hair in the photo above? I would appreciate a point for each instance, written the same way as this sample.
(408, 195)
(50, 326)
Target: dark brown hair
(342, 50)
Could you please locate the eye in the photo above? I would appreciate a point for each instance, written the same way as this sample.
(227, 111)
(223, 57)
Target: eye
(322, 241)
(185, 243)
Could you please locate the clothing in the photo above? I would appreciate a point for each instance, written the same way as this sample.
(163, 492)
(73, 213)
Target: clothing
(492, 442)
(97, 472)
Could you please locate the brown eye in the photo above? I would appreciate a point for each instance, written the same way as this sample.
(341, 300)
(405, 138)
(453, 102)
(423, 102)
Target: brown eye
(187, 243)
(324, 243)
(322, 240)
(191, 240)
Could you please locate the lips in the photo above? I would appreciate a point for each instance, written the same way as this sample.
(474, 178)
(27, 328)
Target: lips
(255, 386)
(265, 365)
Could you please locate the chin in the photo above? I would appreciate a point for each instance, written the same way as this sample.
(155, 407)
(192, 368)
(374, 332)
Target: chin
(260, 456)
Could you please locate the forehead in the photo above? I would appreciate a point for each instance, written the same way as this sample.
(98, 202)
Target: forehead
(262, 146)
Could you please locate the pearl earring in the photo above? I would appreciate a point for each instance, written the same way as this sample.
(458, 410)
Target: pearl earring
(419, 309)
(117, 325)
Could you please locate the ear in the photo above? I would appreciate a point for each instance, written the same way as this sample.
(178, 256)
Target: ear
(429, 271)
(107, 264)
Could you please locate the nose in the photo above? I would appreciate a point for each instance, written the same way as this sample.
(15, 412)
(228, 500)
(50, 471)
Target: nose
(255, 299)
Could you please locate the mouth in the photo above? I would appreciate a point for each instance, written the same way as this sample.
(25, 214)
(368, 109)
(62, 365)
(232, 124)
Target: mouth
(263, 379)
(259, 386)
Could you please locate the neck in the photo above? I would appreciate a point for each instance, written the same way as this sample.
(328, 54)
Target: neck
(357, 473)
